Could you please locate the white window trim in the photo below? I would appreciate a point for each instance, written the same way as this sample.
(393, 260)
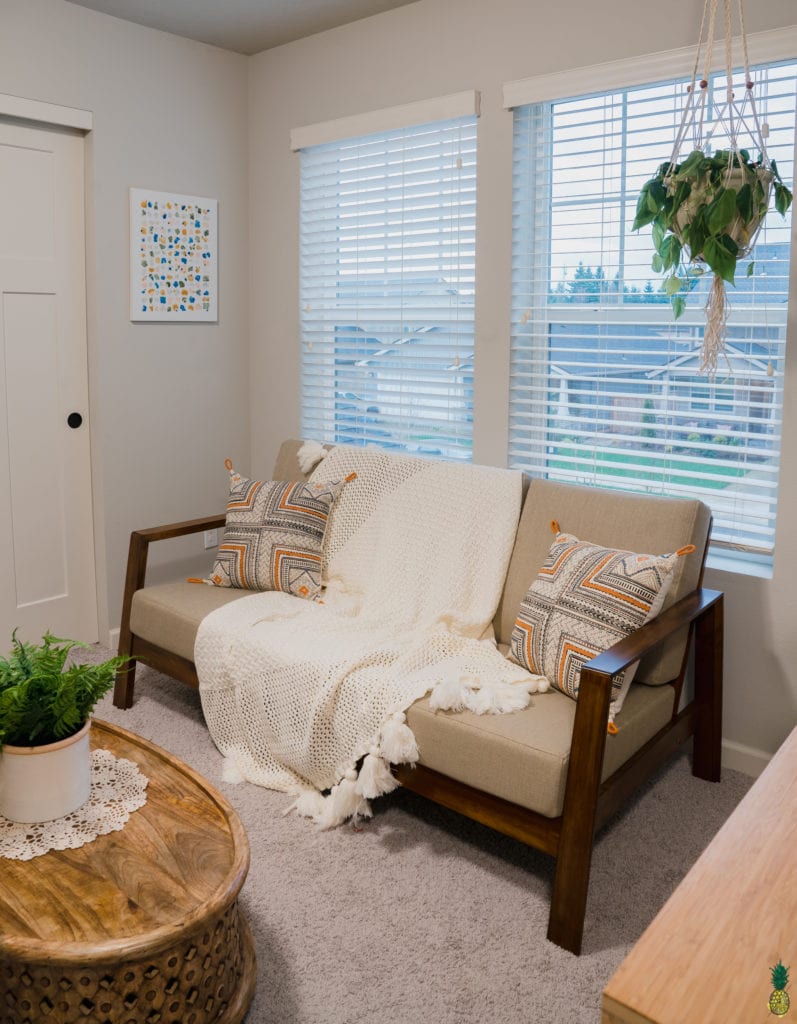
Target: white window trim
(440, 108)
(779, 44)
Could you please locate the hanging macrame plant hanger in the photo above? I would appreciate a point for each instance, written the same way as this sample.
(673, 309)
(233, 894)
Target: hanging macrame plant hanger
(713, 205)
(705, 116)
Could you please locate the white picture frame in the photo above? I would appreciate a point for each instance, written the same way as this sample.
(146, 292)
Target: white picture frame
(173, 257)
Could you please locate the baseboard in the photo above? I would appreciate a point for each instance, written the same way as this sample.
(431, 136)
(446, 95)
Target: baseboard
(113, 638)
(744, 759)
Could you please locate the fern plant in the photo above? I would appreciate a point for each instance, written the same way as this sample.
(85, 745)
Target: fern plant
(41, 700)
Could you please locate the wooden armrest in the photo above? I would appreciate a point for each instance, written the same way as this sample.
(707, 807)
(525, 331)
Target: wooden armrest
(644, 639)
(595, 684)
(137, 567)
(180, 529)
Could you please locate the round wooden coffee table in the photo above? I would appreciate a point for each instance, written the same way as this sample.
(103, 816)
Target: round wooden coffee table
(140, 926)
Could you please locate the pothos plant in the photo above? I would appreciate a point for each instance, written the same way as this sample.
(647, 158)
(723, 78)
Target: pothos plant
(706, 211)
(41, 699)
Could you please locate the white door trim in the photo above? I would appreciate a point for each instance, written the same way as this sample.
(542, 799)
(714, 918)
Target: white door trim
(45, 113)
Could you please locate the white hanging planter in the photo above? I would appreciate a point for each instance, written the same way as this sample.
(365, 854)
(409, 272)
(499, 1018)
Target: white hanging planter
(706, 210)
(743, 231)
(47, 782)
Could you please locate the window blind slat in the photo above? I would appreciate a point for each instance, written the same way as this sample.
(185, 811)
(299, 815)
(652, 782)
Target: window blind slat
(605, 388)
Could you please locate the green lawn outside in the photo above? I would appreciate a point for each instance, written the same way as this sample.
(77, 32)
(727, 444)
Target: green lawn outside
(609, 463)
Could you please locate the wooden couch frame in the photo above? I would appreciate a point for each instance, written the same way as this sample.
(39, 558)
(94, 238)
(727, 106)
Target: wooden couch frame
(588, 802)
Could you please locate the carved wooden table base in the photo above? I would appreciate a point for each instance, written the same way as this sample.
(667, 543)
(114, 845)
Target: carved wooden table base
(141, 926)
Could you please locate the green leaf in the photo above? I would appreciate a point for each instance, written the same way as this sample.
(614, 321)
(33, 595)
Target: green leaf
(691, 166)
(750, 268)
(673, 284)
(775, 170)
(658, 235)
(678, 305)
(720, 258)
(643, 214)
(657, 194)
(657, 263)
(744, 203)
(670, 250)
(721, 211)
(696, 233)
(783, 198)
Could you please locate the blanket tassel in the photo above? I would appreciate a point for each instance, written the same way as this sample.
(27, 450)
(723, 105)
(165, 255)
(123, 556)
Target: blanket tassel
(451, 695)
(500, 698)
(343, 802)
(375, 778)
(309, 455)
(397, 744)
(308, 804)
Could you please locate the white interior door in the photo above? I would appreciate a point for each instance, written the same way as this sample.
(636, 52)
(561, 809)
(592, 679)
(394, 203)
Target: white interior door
(47, 578)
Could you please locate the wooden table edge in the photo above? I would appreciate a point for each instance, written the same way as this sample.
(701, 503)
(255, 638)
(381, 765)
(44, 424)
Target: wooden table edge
(162, 938)
(613, 1012)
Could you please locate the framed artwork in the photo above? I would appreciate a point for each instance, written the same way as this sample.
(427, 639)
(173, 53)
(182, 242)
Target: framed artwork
(173, 256)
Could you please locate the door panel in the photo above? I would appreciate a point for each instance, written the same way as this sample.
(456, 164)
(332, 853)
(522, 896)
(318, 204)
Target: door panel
(46, 529)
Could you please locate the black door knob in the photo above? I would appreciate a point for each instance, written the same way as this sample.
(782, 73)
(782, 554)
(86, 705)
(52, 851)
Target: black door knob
(74, 419)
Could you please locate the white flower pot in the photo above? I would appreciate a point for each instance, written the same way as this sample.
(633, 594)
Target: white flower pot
(42, 783)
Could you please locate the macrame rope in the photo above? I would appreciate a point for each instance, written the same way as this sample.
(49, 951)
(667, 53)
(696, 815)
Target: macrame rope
(709, 43)
(728, 60)
(717, 312)
(747, 79)
(683, 128)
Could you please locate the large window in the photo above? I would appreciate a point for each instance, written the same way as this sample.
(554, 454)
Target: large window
(387, 288)
(605, 386)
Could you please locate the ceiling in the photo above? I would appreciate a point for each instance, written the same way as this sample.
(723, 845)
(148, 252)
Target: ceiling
(246, 26)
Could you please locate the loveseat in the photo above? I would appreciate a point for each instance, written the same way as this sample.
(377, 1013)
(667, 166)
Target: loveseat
(549, 775)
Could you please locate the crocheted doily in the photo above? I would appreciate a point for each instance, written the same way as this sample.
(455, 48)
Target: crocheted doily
(117, 789)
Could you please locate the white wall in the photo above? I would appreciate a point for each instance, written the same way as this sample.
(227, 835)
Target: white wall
(435, 47)
(168, 402)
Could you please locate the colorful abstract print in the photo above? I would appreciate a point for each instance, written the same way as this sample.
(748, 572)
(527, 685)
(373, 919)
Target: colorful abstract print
(585, 598)
(273, 536)
(176, 256)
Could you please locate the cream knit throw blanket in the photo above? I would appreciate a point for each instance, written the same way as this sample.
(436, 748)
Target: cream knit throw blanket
(295, 692)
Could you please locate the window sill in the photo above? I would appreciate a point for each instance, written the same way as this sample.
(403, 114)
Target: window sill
(742, 563)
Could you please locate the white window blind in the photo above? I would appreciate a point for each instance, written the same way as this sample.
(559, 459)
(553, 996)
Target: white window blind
(605, 386)
(387, 288)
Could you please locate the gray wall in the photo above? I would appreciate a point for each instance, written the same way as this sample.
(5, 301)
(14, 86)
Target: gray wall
(436, 47)
(169, 402)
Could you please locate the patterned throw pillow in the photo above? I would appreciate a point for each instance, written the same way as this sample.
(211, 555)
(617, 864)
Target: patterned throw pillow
(585, 598)
(273, 535)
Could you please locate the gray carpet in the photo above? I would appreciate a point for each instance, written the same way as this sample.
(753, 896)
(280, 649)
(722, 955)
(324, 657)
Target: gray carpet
(424, 916)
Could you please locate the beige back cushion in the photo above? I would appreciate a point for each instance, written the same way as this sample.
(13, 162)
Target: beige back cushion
(633, 522)
(287, 465)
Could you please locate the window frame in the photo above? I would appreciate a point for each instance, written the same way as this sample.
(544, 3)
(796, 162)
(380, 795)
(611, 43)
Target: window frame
(379, 335)
(545, 91)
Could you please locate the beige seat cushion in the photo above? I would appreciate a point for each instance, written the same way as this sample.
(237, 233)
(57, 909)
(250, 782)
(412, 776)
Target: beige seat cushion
(169, 614)
(523, 757)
